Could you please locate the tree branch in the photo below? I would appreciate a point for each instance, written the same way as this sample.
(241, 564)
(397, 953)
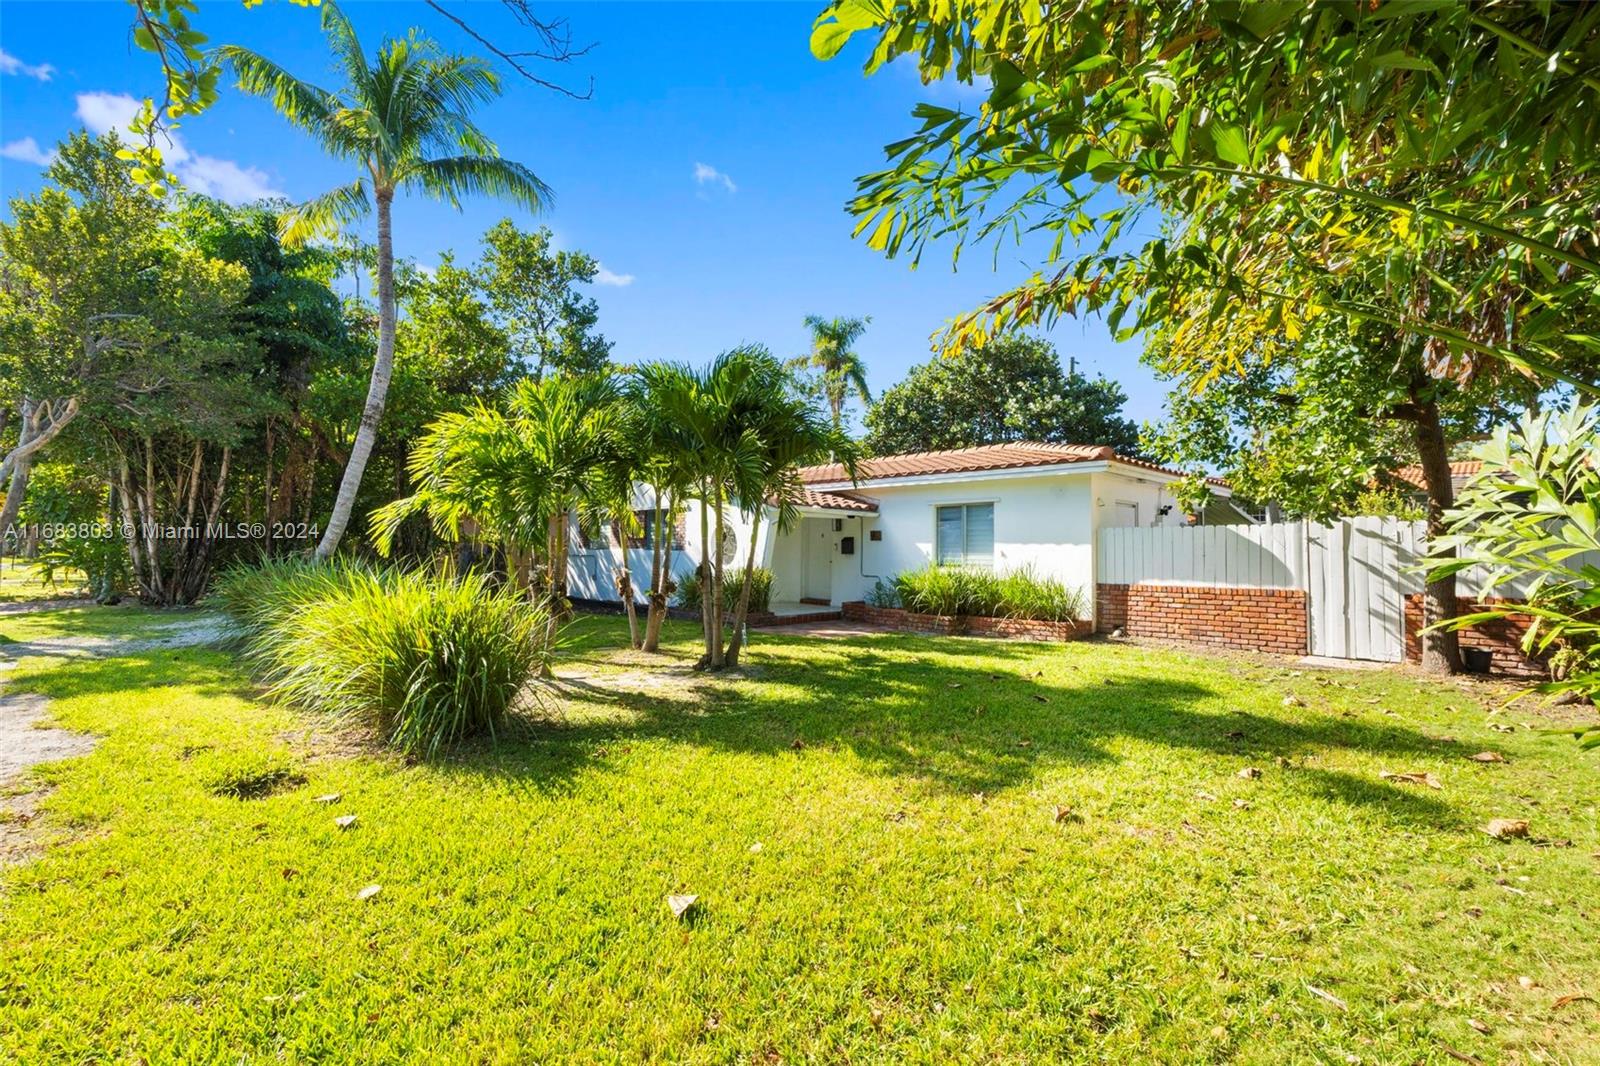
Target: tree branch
(556, 36)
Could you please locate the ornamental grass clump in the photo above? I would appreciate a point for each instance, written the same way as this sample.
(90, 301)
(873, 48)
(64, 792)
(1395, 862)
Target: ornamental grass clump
(968, 591)
(424, 660)
(760, 590)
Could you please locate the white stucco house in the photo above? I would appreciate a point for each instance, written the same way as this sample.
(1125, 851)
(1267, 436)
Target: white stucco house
(1006, 506)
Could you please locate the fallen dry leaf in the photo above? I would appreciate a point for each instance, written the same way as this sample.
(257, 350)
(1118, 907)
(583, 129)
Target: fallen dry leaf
(679, 905)
(1562, 1001)
(1250, 773)
(1064, 813)
(1243, 805)
(1505, 828)
(1487, 756)
(1527, 982)
(345, 821)
(1328, 996)
(1414, 777)
(1461, 1056)
(1208, 797)
(1041, 699)
(369, 892)
(331, 797)
(1479, 1026)
(1293, 701)
(797, 744)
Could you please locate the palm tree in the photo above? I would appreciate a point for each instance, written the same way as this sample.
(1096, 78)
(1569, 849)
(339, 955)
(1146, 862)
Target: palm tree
(668, 465)
(520, 474)
(791, 435)
(403, 118)
(834, 356)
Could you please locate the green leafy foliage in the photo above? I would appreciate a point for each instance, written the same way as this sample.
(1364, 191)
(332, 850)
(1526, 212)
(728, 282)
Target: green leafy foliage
(1009, 389)
(1191, 162)
(424, 660)
(961, 591)
(690, 591)
(1532, 516)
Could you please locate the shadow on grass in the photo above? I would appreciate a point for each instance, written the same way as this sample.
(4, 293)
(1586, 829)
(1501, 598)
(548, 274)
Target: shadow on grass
(962, 717)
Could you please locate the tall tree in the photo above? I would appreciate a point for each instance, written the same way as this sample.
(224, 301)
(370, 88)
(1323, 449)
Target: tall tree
(532, 291)
(1012, 388)
(394, 116)
(1293, 161)
(838, 366)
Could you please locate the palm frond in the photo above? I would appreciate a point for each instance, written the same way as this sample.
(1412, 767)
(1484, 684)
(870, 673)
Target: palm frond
(324, 214)
(301, 102)
(455, 176)
(346, 46)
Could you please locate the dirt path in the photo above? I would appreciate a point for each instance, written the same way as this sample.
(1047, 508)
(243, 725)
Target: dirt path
(25, 738)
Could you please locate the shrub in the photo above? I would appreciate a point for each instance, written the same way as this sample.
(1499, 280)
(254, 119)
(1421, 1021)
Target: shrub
(1529, 519)
(255, 595)
(883, 595)
(1023, 594)
(760, 590)
(954, 590)
(424, 660)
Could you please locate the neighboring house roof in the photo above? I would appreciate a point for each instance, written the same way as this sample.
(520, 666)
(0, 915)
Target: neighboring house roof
(1460, 473)
(987, 457)
(835, 501)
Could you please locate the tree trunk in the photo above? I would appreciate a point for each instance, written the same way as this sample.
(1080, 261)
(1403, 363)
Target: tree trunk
(718, 649)
(20, 471)
(656, 604)
(705, 571)
(736, 642)
(1441, 651)
(552, 605)
(625, 590)
(377, 388)
(35, 432)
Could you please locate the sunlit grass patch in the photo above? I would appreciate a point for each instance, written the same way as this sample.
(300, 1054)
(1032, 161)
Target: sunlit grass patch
(905, 849)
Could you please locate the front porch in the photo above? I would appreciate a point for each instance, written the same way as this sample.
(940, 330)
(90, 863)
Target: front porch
(815, 564)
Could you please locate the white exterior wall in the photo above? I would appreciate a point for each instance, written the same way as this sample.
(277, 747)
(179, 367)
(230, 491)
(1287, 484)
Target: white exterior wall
(592, 572)
(1048, 522)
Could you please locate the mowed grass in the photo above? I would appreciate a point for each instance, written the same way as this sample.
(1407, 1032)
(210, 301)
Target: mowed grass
(872, 828)
(21, 580)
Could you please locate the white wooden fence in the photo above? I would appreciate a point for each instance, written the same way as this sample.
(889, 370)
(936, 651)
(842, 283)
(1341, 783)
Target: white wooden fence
(1356, 572)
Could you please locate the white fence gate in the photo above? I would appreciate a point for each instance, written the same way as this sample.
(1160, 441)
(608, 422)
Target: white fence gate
(1359, 571)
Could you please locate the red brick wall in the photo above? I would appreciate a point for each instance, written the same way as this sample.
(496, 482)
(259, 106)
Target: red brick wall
(1269, 620)
(1012, 628)
(1502, 638)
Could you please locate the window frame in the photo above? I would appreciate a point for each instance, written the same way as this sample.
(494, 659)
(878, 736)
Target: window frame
(965, 553)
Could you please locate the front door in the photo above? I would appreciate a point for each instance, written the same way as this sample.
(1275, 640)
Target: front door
(818, 559)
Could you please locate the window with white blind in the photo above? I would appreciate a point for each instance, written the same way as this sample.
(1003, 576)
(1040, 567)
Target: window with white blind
(964, 535)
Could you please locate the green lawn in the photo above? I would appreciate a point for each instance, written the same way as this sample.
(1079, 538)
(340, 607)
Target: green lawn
(22, 580)
(871, 826)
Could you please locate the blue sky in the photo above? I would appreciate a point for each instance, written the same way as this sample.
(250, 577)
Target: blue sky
(708, 173)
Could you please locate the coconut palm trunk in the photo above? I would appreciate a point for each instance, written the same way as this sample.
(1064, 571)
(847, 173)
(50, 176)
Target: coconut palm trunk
(377, 387)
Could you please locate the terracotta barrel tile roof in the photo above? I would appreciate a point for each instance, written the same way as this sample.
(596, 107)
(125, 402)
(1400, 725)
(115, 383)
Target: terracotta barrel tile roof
(960, 461)
(1459, 471)
(1014, 456)
(835, 501)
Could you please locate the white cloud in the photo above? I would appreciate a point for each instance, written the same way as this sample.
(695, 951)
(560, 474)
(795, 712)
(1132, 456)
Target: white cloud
(27, 150)
(204, 174)
(10, 64)
(705, 174)
(606, 277)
